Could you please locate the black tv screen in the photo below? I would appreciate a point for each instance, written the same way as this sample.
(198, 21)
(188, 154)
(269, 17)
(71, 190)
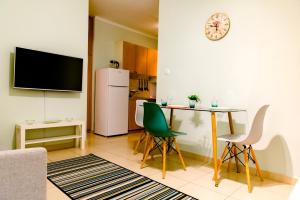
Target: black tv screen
(47, 71)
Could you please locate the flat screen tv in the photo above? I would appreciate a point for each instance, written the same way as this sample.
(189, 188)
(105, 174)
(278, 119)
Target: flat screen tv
(47, 71)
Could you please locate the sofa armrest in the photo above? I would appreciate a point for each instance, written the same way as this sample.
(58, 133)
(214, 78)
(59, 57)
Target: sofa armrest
(23, 174)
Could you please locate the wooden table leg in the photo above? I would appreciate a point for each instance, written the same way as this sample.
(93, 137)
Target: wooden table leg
(171, 117)
(234, 149)
(171, 124)
(215, 150)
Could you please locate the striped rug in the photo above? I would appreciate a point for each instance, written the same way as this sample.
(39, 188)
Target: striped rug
(90, 177)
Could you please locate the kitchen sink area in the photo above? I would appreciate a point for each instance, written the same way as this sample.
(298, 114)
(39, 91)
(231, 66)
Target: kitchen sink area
(140, 88)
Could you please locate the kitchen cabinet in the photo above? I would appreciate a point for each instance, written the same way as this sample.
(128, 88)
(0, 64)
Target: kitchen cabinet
(141, 59)
(129, 57)
(151, 62)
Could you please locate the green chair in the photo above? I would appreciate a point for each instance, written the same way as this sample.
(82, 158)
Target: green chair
(159, 136)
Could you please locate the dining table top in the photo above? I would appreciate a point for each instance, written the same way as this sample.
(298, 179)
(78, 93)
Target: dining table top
(206, 109)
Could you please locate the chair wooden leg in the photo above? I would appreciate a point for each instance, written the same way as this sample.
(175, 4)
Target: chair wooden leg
(247, 169)
(179, 153)
(256, 163)
(146, 144)
(152, 146)
(138, 143)
(170, 141)
(234, 150)
(147, 151)
(222, 158)
(164, 159)
(229, 161)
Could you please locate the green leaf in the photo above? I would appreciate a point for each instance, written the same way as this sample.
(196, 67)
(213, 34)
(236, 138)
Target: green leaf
(194, 97)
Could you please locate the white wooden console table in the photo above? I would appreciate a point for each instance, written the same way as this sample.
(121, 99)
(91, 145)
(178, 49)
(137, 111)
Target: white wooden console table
(80, 133)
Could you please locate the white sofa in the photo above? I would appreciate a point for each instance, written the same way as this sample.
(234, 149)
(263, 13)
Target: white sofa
(23, 174)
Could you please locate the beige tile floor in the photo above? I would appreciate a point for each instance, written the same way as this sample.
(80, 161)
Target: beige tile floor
(195, 181)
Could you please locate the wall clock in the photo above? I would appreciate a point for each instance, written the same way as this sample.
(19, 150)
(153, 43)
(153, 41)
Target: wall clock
(217, 26)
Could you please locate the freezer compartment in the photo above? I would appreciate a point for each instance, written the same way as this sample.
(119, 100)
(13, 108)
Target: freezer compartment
(118, 77)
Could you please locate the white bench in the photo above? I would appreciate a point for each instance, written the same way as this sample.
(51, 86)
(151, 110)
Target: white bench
(80, 133)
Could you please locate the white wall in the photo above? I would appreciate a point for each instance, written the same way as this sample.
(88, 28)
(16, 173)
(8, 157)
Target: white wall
(256, 63)
(108, 37)
(57, 26)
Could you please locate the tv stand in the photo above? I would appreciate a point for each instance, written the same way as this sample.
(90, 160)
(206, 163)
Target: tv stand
(80, 133)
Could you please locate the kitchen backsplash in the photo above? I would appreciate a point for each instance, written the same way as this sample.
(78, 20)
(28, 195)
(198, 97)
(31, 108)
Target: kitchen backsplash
(143, 88)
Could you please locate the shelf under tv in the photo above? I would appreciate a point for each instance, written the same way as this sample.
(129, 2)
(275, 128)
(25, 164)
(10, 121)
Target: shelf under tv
(21, 128)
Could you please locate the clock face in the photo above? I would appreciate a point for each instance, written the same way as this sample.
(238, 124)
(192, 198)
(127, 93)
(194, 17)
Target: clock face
(217, 26)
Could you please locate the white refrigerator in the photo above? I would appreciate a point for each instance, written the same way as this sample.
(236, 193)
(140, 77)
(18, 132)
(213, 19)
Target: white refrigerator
(111, 101)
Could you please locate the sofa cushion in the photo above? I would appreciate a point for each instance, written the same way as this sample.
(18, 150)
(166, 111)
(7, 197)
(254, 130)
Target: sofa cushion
(23, 174)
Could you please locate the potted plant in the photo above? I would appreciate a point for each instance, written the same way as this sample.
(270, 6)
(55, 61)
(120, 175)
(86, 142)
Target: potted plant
(193, 99)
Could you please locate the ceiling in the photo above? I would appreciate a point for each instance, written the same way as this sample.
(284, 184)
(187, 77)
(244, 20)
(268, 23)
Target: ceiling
(141, 15)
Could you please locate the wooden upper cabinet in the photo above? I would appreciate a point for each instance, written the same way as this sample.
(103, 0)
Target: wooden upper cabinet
(152, 62)
(141, 59)
(129, 56)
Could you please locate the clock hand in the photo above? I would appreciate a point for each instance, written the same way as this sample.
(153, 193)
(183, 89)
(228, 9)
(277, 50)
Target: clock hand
(214, 26)
(217, 25)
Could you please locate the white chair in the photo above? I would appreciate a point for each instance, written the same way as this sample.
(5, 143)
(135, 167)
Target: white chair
(139, 116)
(139, 112)
(296, 192)
(245, 140)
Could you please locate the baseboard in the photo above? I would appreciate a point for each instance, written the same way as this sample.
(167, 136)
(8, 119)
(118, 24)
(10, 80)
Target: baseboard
(266, 174)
